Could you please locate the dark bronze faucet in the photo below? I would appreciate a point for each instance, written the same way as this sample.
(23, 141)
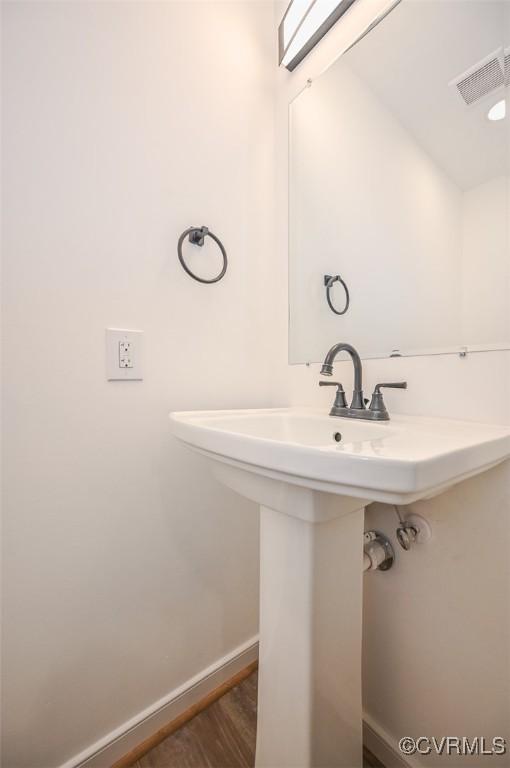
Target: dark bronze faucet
(357, 410)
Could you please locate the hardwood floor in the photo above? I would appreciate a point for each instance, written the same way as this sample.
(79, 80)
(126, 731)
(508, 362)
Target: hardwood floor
(222, 736)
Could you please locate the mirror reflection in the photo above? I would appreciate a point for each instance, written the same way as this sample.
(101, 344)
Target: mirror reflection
(399, 188)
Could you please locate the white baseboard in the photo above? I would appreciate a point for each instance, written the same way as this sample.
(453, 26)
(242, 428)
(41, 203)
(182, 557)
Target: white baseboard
(131, 733)
(383, 746)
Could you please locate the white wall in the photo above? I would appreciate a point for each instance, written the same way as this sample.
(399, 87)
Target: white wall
(485, 262)
(436, 628)
(127, 570)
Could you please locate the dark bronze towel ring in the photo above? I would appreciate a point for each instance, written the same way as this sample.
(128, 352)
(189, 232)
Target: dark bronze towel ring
(197, 235)
(328, 282)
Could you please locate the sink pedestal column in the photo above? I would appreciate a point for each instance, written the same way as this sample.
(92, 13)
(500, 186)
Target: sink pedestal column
(310, 639)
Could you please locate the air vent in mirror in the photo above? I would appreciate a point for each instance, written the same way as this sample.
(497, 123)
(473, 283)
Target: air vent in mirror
(483, 78)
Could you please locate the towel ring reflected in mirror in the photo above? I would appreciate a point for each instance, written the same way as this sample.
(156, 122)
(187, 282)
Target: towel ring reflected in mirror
(329, 281)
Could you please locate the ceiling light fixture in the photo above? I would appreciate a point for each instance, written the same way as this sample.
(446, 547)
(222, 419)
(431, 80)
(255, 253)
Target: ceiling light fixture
(304, 24)
(498, 111)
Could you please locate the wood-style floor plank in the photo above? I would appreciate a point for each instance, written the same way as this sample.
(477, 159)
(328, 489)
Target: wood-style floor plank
(370, 761)
(222, 736)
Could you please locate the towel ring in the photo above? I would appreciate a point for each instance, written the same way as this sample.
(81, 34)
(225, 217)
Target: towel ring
(197, 235)
(328, 282)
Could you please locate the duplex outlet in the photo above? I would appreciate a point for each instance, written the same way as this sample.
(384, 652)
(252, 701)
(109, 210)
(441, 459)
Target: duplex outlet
(123, 355)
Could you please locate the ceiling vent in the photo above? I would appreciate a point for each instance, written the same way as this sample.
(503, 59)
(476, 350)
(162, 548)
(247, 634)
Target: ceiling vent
(483, 78)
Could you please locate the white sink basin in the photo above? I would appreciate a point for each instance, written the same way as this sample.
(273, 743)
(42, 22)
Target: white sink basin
(312, 492)
(398, 461)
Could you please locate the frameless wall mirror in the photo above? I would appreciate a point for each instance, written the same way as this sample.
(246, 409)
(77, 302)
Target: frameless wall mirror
(400, 185)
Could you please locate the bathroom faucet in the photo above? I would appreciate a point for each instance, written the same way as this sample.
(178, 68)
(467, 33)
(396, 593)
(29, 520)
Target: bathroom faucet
(327, 370)
(376, 411)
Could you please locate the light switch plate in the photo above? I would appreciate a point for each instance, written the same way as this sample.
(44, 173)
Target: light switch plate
(124, 355)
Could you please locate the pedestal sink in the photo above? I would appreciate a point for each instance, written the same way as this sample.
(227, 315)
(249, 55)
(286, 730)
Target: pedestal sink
(312, 476)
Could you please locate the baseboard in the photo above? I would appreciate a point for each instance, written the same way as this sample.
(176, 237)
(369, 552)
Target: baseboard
(384, 747)
(203, 687)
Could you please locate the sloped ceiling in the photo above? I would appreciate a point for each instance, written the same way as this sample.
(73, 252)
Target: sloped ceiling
(408, 61)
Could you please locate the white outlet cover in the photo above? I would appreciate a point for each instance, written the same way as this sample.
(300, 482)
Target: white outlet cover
(114, 371)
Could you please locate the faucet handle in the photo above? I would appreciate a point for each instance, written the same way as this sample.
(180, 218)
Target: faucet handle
(377, 402)
(340, 399)
(391, 385)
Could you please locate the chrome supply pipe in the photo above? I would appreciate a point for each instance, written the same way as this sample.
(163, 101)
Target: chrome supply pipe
(378, 554)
